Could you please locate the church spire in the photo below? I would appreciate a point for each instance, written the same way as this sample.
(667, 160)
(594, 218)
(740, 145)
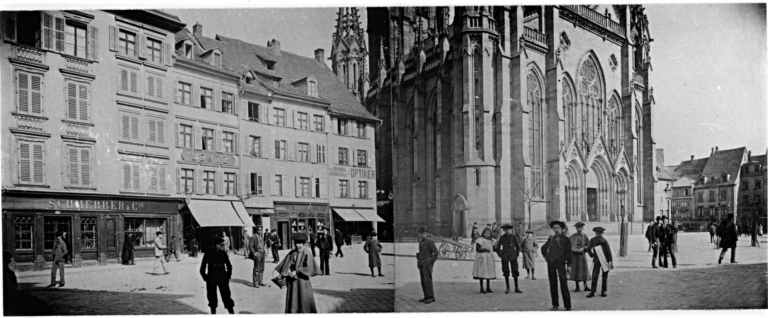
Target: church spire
(349, 54)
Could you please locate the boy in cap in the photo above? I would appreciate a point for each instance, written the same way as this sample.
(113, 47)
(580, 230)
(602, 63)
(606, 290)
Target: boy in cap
(557, 251)
(508, 249)
(218, 275)
(579, 268)
(426, 259)
(529, 254)
(597, 266)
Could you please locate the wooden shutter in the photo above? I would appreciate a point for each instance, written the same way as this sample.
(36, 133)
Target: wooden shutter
(22, 91)
(71, 100)
(334, 125)
(294, 120)
(178, 128)
(153, 182)
(142, 46)
(235, 105)
(323, 187)
(246, 185)
(152, 130)
(197, 138)
(134, 127)
(274, 187)
(150, 88)
(199, 181)
(10, 26)
(236, 186)
(123, 78)
(218, 140)
(36, 94)
(354, 157)
(179, 184)
(38, 168)
(216, 100)
(335, 155)
(236, 143)
(177, 89)
(134, 81)
(136, 176)
(196, 95)
(296, 187)
(159, 87)
(74, 166)
(46, 21)
(312, 156)
(93, 43)
(85, 167)
(113, 36)
(277, 149)
(167, 54)
(83, 100)
(266, 184)
(59, 34)
(163, 178)
(161, 131)
(260, 185)
(125, 126)
(25, 162)
(126, 176)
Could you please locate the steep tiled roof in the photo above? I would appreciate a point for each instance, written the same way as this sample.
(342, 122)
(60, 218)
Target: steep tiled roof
(725, 161)
(690, 167)
(240, 56)
(759, 159)
(664, 174)
(685, 181)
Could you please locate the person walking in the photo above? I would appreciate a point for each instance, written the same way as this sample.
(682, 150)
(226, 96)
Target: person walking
(495, 231)
(650, 244)
(508, 249)
(298, 267)
(558, 254)
(325, 243)
(475, 235)
(59, 253)
(652, 234)
(275, 242)
(175, 249)
(256, 250)
(128, 245)
(267, 242)
(312, 239)
(159, 257)
(579, 268)
(246, 241)
(217, 276)
(373, 248)
(529, 247)
(667, 238)
(712, 229)
(729, 237)
(484, 267)
(339, 242)
(602, 260)
(226, 242)
(425, 261)
(753, 233)
(68, 243)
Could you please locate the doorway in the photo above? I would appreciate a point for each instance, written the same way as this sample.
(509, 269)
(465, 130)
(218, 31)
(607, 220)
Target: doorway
(52, 225)
(282, 233)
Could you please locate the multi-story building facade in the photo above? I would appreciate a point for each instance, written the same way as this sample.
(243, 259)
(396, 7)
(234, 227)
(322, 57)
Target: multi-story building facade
(716, 188)
(752, 190)
(86, 144)
(513, 114)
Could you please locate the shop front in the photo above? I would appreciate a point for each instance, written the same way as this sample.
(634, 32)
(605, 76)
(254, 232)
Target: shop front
(96, 225)
(205, 220)
(292, 218)
(356, 222)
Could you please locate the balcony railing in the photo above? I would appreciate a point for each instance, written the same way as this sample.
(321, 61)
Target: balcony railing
(598, 18)
(535, 36)
(77, 65)
(29, 54)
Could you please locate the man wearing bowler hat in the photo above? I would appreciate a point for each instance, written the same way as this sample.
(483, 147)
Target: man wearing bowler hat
(667, 238)
(508, 249)
(653, 239)
(426, 259)
(557, 252)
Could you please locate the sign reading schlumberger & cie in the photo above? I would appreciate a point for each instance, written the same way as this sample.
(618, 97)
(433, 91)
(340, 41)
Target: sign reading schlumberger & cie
(356, 173)
(204, 157)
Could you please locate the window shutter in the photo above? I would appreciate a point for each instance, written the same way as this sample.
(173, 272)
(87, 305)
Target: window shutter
(296, 187)
(83, 99)
(23, 91)
(236, 143)
(266, 184)
(277, 149)
(47, 31)
(126, 176)
(113, 38)
(136, 169)
(123, 79)
(134, 128)
(153, 178)
(265, 147)
(312, 155)
(216, 100)
(236, 187)
(334, 125)
(235, 104)
(25, 162)
(93, 43)
(85, 167)
(71, 100)
(219, 176)
(179, 184)
(163, 177)
(369, 159)
(10, 26)
(335, 155)
(294, 120)
(274, 187)
(73, 167)
(167, 53)
(59, 34)
(246, 192)
(196, 95)
(354, 157)
(125, 126)
(161, 131)
(159, 87)
(134, 81)
(36, 94)
(199, 181)
(197, 138)
(177, 89)
(142, 46)
(150, 89)
(218, 140)
(38, 163)
(264, 116)
(152, 130)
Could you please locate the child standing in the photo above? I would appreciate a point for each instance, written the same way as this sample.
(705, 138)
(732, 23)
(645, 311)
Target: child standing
(529, 254)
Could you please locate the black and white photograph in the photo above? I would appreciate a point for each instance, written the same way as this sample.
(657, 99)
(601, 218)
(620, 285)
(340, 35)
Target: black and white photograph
(361, 157)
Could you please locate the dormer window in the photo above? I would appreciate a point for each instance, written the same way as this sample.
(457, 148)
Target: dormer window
(270, 65)
(188, 49)
(312, 88)
(217, 59)
(248, 80)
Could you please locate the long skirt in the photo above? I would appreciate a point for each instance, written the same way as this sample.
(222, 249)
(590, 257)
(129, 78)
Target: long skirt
(579, 268)
(299, 296)
(484, 267)
(529, 260)
(374, 260)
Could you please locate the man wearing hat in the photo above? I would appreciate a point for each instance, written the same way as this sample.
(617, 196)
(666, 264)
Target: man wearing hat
(598, 240)
(256, 250)
(728, 239)
(579, 268)
(529, 247)
(325, 243)
(426, 259)
(558, 254)
(652, 234)
(495, 231)
(373, 248)
(508, 249)
(667, 237)
(298, 267)
(217, 276)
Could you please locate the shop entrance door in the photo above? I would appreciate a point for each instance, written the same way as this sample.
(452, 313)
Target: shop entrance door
(52, 225)
(282, 233)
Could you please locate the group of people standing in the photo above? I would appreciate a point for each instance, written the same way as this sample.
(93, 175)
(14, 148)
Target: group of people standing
(661, 238)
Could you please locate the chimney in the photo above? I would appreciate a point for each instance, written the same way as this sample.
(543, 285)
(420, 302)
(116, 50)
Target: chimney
(197, 29)
(275, 46)
(691, 157)
(711, 151)
(320, 56)
(749, 155)
(717, 149)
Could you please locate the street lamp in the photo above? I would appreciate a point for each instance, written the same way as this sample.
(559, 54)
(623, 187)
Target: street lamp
(669, 204)
(623, 239)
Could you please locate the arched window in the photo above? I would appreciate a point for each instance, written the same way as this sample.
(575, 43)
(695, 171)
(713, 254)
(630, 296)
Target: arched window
(639, 153)
(590, 96)
(354, 76)
(535, 131)
(570, 120)
(345, 79)
(612, 133)
(477, 74)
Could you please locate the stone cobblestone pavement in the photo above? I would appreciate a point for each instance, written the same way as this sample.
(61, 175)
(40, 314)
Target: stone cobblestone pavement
(132, 290)
(697, 283)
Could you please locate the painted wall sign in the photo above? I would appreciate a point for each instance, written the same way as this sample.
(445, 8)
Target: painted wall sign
(356, 173)
(299, 207)
(65, 204)
(204, 157)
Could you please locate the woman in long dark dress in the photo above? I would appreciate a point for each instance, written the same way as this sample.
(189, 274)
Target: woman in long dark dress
(373, 248)
(297, 267)
(127, 255)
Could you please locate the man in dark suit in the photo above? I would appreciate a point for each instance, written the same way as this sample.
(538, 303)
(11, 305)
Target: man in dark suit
(652, 234)
(509, 250)
(667, 238)
(274, 240)
(426, 259)
(729, 236)
(256, 250)
(325, 243)
(339, 242)
(558, 254)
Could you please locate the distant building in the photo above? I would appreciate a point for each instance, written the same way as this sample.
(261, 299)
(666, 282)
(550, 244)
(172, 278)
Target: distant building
(754, 175)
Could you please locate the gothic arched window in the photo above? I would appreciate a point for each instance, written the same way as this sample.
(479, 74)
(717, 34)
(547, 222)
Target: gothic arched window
(570, 113)
(477, 73)
(613, 129)
(591, 98)
(534, 93)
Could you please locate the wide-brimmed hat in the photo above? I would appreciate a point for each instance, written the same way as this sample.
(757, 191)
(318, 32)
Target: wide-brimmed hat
(553, 223)
(529, 231)
(579, 224)
(598, 229)
(507, 226)
(299, 237)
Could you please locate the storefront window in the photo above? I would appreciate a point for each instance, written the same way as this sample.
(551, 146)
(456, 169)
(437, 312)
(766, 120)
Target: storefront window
(88, 233)
(144, 230)
(24, 226)
(54, 224)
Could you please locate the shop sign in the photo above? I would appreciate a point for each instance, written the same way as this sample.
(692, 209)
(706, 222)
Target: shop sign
(54, 204)
(355, 173)
(204, 157)
(300, 207)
